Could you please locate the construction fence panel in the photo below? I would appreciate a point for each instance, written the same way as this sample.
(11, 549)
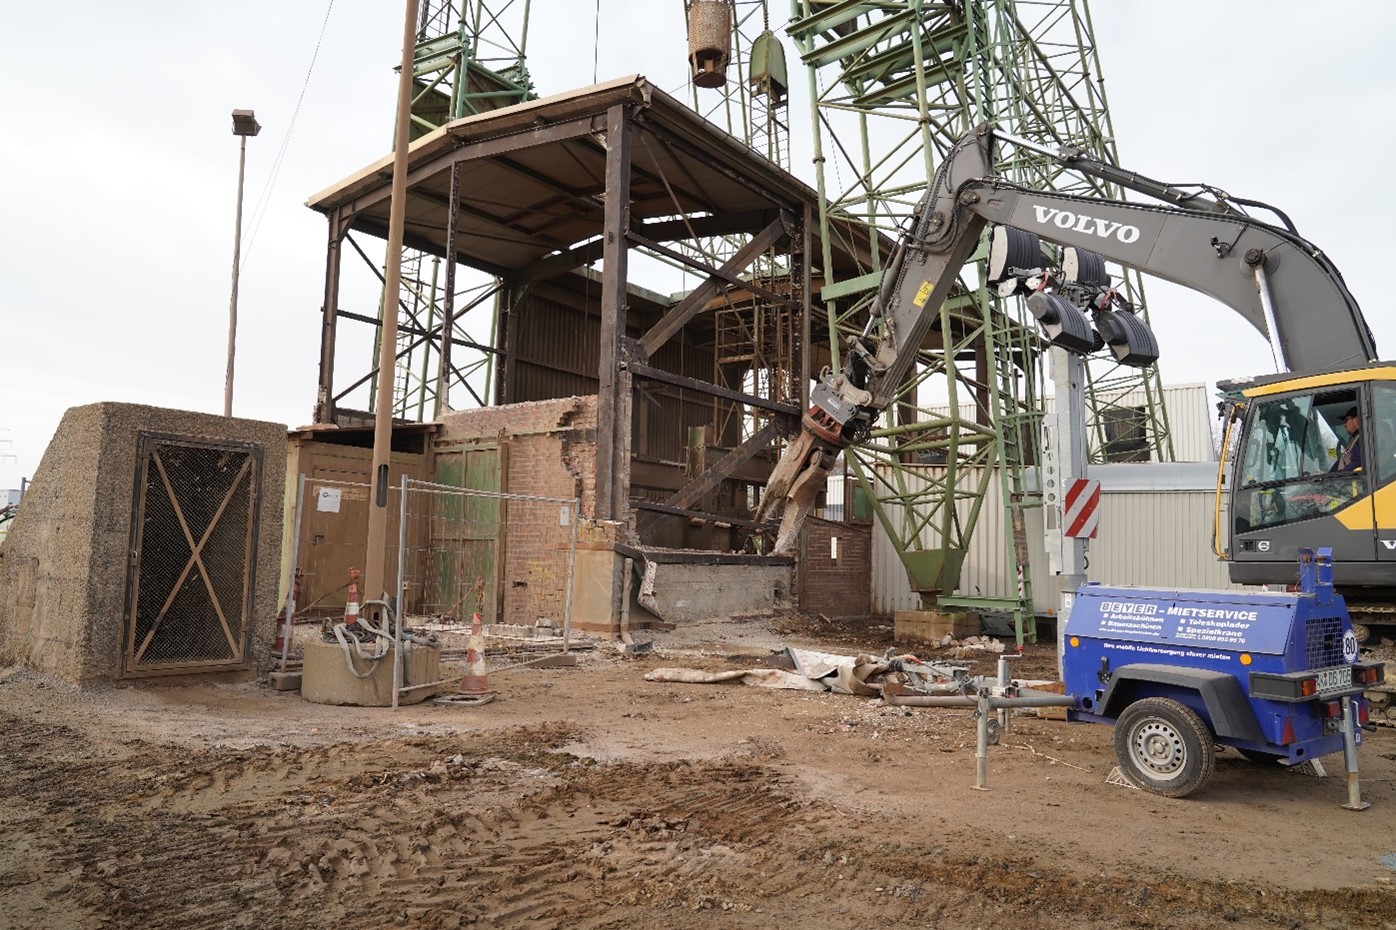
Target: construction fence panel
(508, 559)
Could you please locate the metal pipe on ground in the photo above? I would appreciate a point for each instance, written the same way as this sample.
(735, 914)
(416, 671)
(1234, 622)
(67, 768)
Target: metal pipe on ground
(1035, 699)
(983, 703)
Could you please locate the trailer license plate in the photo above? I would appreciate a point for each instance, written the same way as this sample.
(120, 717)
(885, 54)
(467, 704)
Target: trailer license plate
(1334, 679)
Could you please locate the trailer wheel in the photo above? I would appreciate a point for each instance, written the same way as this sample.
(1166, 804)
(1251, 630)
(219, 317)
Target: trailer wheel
(1164, 747)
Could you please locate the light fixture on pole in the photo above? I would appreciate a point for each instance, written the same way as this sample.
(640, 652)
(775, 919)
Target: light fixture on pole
(244, 124)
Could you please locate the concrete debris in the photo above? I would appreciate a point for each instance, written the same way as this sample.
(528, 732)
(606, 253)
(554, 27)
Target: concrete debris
(971, 646)
(797, 669)
(765, 677)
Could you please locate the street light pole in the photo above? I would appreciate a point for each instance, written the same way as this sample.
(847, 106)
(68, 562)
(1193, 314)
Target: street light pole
(244, 124)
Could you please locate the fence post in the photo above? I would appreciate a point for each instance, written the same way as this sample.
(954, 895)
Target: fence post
(571, 570)
(398, 599)
(289, 628)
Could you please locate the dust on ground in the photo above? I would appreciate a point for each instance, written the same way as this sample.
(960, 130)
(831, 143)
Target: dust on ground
(588, 797)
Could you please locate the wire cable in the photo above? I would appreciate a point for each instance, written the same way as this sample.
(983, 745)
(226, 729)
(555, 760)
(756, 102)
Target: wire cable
(259, 212)
(596, 45)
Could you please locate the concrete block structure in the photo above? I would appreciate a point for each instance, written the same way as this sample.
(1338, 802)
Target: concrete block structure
(147, 544)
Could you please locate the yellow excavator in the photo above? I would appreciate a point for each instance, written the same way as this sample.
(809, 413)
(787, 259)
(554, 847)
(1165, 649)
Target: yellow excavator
(1314, 461)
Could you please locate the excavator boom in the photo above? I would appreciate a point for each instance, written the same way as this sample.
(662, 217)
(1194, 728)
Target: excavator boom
(1266, 273)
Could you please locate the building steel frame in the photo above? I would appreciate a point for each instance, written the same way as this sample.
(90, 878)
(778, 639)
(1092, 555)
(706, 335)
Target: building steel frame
(661, 177)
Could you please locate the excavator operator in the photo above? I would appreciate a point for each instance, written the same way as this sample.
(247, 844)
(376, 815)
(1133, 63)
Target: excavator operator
(1351, 457)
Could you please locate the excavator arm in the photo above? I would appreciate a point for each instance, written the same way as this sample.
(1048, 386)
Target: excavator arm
(1277, 281)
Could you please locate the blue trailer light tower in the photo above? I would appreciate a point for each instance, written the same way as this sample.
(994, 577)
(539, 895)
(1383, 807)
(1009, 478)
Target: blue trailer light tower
(1275, 675)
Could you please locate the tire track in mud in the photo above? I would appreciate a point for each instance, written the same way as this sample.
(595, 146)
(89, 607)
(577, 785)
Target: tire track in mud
(501, 831)
(504, 829)
(49, 773)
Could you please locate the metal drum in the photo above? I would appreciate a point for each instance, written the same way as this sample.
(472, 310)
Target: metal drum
(709, 41)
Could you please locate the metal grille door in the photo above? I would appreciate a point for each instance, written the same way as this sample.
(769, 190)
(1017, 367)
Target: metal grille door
(193, 535)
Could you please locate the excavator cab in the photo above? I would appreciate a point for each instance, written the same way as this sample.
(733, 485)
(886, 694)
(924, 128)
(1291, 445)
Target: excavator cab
(1315, 465)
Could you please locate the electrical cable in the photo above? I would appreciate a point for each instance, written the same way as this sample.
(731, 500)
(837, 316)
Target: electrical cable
(259, 212)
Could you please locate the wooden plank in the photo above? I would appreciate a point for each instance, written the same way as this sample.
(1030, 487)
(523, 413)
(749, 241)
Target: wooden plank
(717, 518)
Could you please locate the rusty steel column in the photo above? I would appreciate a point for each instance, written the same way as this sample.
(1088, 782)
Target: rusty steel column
(508, 306)
(613, 394)
(448, 303)
(329, 316)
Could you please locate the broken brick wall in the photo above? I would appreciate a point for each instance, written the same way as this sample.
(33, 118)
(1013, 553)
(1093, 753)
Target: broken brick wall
(836, 570)
(544, 449)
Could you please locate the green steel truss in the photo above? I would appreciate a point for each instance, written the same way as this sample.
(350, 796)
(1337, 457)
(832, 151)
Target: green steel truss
(470, 58)
(891, 86)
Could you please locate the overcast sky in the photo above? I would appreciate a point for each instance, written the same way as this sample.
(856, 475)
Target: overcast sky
(121, 173)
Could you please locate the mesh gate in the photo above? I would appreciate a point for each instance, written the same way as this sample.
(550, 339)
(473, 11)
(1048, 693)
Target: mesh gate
(193, 535)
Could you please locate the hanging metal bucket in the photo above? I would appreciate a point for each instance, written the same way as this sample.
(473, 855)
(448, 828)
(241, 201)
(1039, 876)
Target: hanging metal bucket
(709, 41)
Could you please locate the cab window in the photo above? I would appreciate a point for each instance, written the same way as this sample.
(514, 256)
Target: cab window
(1286, 468)
(1381, 446)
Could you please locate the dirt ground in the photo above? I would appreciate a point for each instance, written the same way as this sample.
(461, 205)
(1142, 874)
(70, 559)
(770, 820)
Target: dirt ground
(588, 797)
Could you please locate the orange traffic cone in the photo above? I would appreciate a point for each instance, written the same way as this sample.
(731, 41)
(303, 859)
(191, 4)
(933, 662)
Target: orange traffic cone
(351, 600)
(476, 680)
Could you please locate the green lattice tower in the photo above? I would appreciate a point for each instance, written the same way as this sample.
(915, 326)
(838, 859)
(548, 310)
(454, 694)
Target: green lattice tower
(893, 85)
(753, 104)
(470, 58)
(1040, 73)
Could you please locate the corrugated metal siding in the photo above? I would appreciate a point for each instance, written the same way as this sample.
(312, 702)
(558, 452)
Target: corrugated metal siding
(557, 355)
(1191, 415)
(1190, 418)
(557, 351)
(1157, 538)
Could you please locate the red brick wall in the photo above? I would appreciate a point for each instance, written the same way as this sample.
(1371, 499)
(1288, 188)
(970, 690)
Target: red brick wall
(842, 586)
(548, 449)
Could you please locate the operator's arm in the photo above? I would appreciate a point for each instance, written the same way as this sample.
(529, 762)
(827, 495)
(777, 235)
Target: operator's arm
(920, 275)
(1265, 273)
